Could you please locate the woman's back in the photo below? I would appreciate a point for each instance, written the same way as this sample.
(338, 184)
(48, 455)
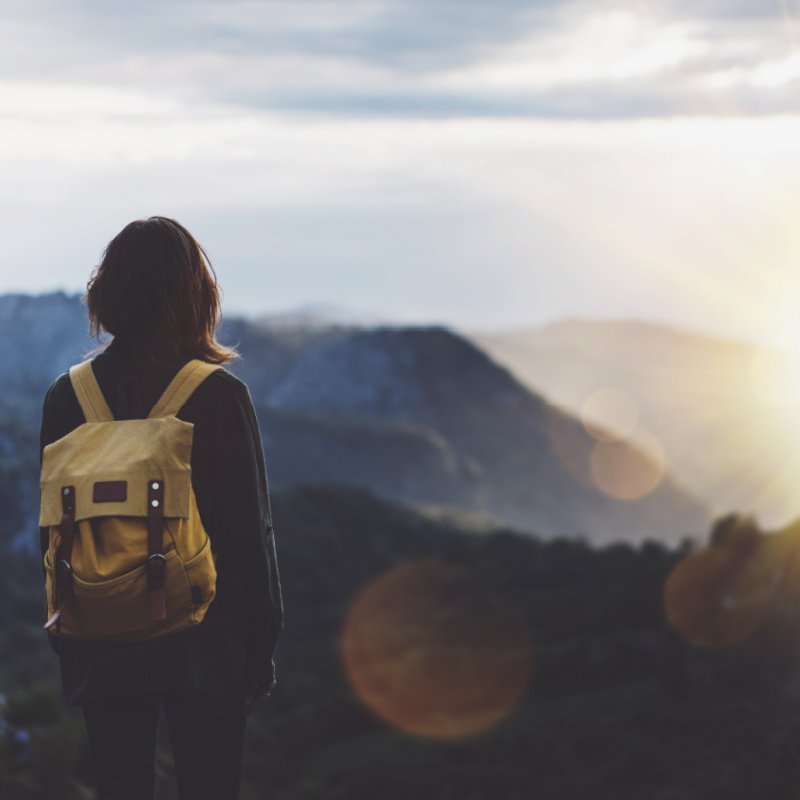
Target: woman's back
(156, 294)
(242, 625)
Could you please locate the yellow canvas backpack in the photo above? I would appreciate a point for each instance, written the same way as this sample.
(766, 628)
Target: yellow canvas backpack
(128, 556)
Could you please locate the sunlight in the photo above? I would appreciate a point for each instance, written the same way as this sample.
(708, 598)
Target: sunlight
(775, 378)
(609, 414)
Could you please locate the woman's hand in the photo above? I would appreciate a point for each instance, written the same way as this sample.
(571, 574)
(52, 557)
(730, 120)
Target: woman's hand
(258, 692)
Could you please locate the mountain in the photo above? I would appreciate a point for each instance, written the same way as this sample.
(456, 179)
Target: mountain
(403, 461)
(527, 463)
(416, 414)
(40, 336)
(724, 412)
(269, 351)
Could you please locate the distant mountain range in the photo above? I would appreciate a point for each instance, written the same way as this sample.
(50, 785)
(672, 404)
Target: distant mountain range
(418, 415)
(725, 412)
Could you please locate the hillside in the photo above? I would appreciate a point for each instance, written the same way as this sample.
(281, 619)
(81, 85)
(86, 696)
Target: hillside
(508, 667)
(724, 412)
(531, 463)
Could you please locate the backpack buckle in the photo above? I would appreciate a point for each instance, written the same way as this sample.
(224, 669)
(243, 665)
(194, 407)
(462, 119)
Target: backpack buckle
(156, 569)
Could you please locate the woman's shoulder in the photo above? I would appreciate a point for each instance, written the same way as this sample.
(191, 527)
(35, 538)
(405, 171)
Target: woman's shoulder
(60, 409)
(222, 380)
(59, 391)
(221, 390)
(59, 383)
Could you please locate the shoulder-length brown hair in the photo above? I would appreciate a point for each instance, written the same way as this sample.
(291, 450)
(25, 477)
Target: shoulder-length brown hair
(155, 288)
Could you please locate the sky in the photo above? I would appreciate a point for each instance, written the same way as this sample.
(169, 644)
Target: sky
(487, 165)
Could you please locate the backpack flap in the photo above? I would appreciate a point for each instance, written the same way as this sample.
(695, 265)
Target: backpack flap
(110, 465)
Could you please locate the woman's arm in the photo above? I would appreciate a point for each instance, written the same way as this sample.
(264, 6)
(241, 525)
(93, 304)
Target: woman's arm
(266, 620)
(233, 497)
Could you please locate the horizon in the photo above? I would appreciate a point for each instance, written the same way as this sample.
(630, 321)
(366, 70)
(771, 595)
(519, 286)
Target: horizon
(338, 314)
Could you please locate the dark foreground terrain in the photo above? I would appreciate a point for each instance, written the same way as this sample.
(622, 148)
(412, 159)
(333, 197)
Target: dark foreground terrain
(511, 668)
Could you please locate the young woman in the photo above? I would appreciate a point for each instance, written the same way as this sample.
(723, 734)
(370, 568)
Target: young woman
(156, 293)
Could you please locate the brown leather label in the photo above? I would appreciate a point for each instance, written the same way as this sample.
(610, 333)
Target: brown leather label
(110, 492)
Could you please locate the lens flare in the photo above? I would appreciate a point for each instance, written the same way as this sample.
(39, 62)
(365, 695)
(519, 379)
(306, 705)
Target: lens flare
(430, 653)
(609, 414)
(628, 471)
(717, 597)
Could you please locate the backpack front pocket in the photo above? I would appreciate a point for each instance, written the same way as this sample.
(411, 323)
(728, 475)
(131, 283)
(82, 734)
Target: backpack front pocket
(118, 608)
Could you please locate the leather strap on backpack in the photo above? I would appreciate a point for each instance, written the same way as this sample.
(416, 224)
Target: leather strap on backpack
(156, 562)
(62, 575)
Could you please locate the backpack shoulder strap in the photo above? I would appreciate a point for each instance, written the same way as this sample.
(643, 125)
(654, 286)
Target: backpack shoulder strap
(180, 388)
(87, 390)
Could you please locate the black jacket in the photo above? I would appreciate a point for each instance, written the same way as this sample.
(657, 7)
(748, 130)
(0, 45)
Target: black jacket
(242, 625)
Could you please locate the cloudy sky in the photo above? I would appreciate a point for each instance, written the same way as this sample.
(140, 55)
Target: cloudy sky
(482, 164)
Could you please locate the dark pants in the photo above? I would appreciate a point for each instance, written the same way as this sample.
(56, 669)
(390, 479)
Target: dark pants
(206, 734)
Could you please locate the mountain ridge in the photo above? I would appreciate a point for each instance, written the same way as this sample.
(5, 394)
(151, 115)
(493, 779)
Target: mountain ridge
(420, 415)
(722, 408)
